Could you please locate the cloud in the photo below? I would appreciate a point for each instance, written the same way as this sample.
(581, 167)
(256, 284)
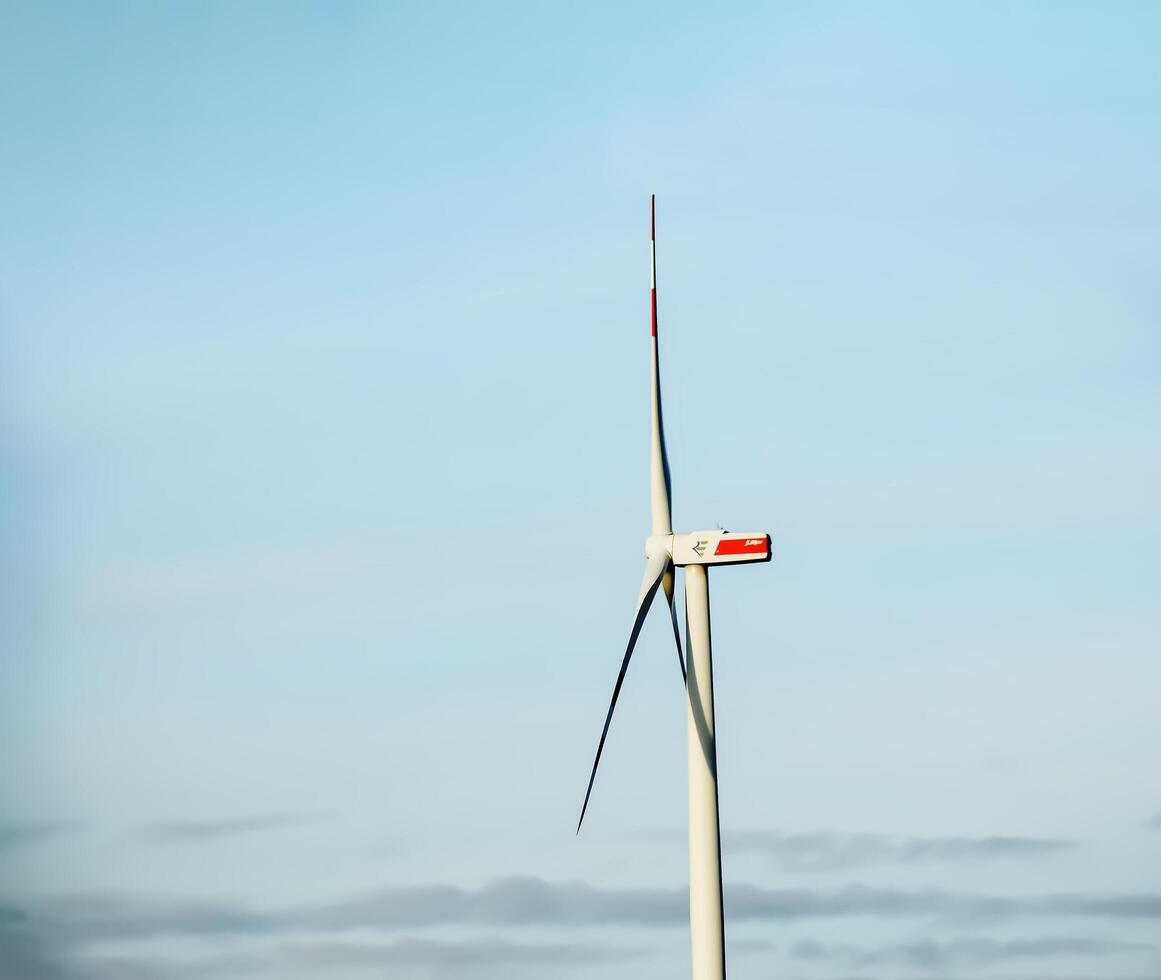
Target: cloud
(204, 831)
(747, 946)
(826, 851)
(22, 956)
(1154, 822)
(962, 953)
(749, 902)
(63, 944)
(400, 958)
(23, 833)
(72, 937)
(27, 950)
(520, 902)
(67, 946)
(448, 957)
(155, 967)
(506, 901)
(99, 917)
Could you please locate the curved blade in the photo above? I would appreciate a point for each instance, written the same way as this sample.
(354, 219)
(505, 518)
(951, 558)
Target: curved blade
(667, 582)
(654, 570)
(659, 487)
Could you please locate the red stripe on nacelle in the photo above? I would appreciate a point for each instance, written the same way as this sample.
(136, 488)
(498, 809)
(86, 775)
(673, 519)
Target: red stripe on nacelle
(741, 546)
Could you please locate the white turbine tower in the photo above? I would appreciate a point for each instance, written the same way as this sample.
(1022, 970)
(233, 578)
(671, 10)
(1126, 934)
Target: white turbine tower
(664, 550)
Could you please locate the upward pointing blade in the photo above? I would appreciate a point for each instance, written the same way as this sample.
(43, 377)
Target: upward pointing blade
(654, 570)
(659, 487)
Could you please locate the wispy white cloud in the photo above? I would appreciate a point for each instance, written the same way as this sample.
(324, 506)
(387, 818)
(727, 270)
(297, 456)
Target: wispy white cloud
(202, 831)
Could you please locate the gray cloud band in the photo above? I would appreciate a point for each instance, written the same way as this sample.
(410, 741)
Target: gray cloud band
(37, 957)
(825, 851)
(962, 953)
(532, 901)
(16, 834)
(203, 831)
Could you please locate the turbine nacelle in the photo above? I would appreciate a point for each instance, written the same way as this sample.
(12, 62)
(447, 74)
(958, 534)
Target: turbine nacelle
(710, 547)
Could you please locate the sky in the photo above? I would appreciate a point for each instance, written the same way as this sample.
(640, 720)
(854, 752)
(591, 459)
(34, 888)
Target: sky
(324, 477)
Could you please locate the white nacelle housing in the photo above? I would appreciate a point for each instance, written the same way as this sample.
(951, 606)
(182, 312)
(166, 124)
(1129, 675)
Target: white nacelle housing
(712, 547)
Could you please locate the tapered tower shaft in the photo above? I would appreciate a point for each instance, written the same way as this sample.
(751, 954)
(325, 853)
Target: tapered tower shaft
(707, 933)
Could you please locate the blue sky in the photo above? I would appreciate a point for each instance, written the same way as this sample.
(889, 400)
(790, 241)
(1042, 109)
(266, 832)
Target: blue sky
(323, 454)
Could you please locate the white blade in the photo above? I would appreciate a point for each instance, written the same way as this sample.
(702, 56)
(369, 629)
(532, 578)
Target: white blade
(659, 489)
(667, 582)
(654, 570)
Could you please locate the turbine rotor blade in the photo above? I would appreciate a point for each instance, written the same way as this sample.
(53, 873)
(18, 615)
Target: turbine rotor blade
(654, 571)
(660, 500)
(667, 585)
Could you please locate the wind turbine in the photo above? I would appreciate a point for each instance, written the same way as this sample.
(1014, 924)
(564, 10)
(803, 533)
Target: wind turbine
(695, 552)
